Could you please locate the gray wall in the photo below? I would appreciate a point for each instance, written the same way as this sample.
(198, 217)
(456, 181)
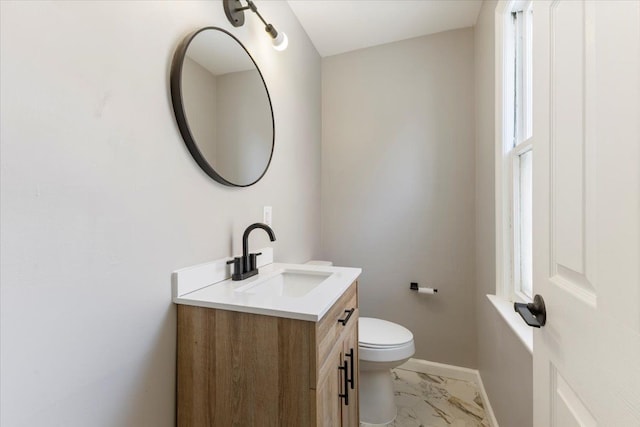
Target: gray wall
(398, 184)
(244, 143)
(101, 201)
(200, 89)
(504, 363)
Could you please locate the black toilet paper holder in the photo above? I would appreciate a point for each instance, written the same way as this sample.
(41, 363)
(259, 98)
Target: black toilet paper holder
(414, 287)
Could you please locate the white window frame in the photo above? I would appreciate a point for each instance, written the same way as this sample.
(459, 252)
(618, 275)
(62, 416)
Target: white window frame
(507, 156)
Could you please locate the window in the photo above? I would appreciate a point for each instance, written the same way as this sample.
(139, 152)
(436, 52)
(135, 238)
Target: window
(514, 159)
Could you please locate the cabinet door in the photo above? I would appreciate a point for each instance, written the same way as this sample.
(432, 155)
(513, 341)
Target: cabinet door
(329, 402)
(350, 412)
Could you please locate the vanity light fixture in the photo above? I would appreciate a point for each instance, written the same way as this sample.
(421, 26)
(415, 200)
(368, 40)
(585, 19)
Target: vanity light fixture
(235, 14)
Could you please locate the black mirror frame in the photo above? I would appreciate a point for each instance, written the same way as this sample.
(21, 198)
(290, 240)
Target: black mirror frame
(181, 119)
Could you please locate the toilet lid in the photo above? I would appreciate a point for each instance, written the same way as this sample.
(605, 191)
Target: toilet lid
(378, 333)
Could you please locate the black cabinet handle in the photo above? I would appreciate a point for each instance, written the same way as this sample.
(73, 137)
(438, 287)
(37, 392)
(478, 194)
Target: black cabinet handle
(534, 314)
(345, 396)
(346, 319)
(351, 380)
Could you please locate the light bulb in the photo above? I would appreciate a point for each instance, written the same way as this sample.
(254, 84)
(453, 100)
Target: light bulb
(281, 41)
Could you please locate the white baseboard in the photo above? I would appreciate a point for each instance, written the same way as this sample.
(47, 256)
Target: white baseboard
(457, 373)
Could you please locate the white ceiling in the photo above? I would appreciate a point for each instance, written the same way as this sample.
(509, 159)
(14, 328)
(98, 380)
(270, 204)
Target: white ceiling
(338, 26)
(218, 53)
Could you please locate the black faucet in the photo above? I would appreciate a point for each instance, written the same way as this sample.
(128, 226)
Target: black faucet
(246, 265)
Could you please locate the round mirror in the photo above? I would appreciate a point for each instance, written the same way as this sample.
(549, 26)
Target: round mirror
(222, 107)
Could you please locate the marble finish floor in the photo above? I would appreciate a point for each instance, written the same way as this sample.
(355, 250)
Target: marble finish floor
(428, 400)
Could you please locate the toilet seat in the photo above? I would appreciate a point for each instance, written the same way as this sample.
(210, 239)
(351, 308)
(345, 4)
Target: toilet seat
(383, 341)
(378, 333)
(382, 347)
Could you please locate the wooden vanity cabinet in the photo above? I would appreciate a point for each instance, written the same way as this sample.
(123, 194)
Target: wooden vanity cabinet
(243, 369)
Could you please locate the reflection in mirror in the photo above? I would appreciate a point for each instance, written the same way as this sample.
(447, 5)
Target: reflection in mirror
(222, 107)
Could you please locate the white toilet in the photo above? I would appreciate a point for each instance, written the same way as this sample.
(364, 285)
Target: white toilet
(382, 345)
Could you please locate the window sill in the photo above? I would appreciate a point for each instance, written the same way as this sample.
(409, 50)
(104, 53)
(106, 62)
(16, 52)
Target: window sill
(517, 325)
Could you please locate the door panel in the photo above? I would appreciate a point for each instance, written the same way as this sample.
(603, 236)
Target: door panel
(567, 139)
(568, 410)
(587, 212)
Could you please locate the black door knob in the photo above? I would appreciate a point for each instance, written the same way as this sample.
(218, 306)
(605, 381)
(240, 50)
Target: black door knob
(534, 313)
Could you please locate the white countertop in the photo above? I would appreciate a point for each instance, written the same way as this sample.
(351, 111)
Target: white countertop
(312, 306)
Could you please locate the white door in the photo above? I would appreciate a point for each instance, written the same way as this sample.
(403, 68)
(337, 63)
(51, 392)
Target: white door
(587, 212)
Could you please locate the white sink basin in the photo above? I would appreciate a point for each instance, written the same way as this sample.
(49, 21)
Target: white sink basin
(286, 283)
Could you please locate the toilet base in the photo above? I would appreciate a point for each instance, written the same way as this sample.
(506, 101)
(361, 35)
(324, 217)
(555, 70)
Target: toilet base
(377, 404)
